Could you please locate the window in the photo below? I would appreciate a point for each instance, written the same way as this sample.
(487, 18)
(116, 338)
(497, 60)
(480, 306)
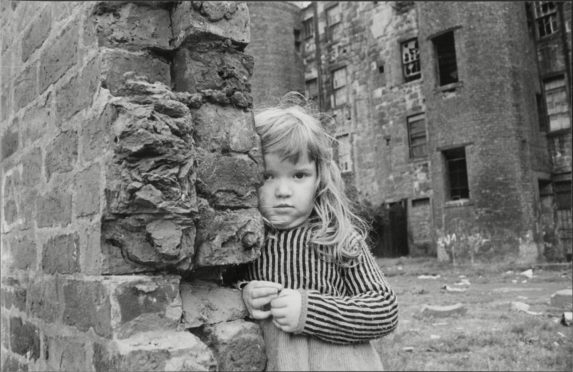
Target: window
(339, 87)
(312, 88)
(297, 41)
(417, 136)
(545, 14)
(344, 153)
(445, 48)
(333, 16)
(411, 60)
(562, 191)
(457, 174)
(541, 112)
(556, 103)
(308, 28)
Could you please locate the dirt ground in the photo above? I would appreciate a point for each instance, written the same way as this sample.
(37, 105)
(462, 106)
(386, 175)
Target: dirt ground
(490, 335)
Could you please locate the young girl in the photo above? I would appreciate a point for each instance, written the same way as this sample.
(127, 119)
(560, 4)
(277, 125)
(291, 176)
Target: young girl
(316, 287)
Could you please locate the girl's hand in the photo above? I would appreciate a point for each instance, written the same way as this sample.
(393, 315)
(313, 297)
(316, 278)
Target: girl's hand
(286, 310)
(259, 293)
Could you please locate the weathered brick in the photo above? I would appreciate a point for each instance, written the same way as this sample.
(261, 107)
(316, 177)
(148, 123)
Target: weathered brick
(67, 354)
(25, 86)
(11, 193)
(115, 63)
(54, 208)
(77, 94)
(206, 303)
(45, 298)
(134, 27)
(36, 34)
(104, 359)
(95, 134)
(20, 252)
(87, 305)
(24, 338)
(58, 58)
(62, 153)
(238, 346)
(61, 254)
(14, 293)
(38, 120)
(10, 141)
(224, 19)
(87, 191)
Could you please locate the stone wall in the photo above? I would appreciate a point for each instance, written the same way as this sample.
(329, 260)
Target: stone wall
(129, 172)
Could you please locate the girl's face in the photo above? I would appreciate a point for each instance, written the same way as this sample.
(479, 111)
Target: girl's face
(286, 198)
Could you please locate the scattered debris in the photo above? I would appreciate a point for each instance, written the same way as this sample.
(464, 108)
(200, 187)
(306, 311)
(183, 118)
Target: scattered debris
(514, 281)
(567, 318)
(561, 334)
(400, 268)
(440, 324)
(527, 273)
(432, 276)
(452, 289)
(435, 337)
(443, 311)
(522, 297)
(408, 349)
(511, 289)
(562, 299)
(523, 307)
(463, 281)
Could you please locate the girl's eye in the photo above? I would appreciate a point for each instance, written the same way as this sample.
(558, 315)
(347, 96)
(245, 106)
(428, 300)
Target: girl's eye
(299, 176)
(267, 176)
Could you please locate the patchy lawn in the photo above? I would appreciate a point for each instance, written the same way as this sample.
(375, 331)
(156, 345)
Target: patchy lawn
(490, 336)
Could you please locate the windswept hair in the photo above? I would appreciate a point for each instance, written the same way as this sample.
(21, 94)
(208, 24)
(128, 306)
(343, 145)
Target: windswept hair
(289, 130)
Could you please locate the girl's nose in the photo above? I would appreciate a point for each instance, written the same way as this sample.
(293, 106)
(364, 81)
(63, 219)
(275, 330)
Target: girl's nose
(283, 189)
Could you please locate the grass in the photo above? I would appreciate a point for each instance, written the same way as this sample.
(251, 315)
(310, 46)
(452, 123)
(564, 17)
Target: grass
(489, 337)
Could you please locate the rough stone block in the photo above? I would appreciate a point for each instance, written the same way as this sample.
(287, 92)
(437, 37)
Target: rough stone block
(146, 304)
(77, 93)
(20, 252)
(14, 293)
(10, 141)
(36, 34)
(206, 303)
(133, 26)
(24, 338)
(228, 237)
(11, 191)
(158, 351)
(25, 86)
(58, 58)
(224, 128)
(224, 19)
(562, 299)
(95, 134)
(87, 191)
(54, 208)
(238, 345)
(116, 63)
(32, 168)
(45, 298)
(67, 353)
(61, 254)
(38, 120)
(62, 153)
(5, 330)
(11, 363)
(228, 181)
(87, 305)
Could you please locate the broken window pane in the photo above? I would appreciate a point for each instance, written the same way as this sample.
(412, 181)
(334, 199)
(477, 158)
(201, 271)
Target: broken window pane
(545, 13)
(411, 60)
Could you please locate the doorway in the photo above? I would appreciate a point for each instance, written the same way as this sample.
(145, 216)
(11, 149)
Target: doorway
(391, 230)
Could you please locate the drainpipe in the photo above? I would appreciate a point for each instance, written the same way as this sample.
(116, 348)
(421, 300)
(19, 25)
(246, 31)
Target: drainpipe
(318, 59)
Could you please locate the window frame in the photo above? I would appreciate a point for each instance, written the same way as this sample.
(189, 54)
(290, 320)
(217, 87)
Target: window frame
(418, 73)
(308, 28)
(348, 152)
(545, 18)
(339, 88)
(561, 88)
(410, 120)
(458, 155)
(444, 57)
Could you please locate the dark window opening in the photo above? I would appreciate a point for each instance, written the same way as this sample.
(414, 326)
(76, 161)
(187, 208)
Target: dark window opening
(541, 112)
(562, 195)
(312, 88)
(308, 28)
(381, 69)
(411, 60)
(446, 55)
(545, 13)
(457, 174)
(417, 136)
(297, 40)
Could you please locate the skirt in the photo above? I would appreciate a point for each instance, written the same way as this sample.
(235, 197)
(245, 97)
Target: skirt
(296, 352)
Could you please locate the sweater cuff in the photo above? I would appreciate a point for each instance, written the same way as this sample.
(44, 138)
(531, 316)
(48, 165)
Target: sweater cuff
(303, 311)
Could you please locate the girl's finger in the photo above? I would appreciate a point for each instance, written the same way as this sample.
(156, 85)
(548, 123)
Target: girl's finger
(260, 314)
(264, 292)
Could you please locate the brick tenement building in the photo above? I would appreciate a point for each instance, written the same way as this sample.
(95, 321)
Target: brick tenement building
(453, 118)
(129, 167)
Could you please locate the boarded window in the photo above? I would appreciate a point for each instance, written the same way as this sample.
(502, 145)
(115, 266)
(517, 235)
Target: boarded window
(545, 14)
(445, 48)
(457, 174)
(344, 153)
(308, 28)
(411, 60)
(556, 103)
(339, 87)
(417, 136)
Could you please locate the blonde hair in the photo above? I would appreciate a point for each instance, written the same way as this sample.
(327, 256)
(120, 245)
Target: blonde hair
(289, 130)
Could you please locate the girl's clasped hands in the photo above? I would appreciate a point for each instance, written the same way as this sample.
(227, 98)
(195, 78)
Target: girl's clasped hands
(285, 304)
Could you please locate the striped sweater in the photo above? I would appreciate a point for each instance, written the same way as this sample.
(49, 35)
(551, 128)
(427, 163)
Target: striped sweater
(341, 305)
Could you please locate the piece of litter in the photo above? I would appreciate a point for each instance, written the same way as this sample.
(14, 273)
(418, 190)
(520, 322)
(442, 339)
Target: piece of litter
(440, 324)
(527, 273)
(400, 268)
(452, 289)
(522, 297)
(514, 281)
(429, 276)
(408, 349)
(567, 318)
(523, 307)
(463, 282)
(561, 334)
(435, 337)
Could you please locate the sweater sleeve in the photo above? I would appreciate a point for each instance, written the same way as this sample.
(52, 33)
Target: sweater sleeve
(368, 311)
